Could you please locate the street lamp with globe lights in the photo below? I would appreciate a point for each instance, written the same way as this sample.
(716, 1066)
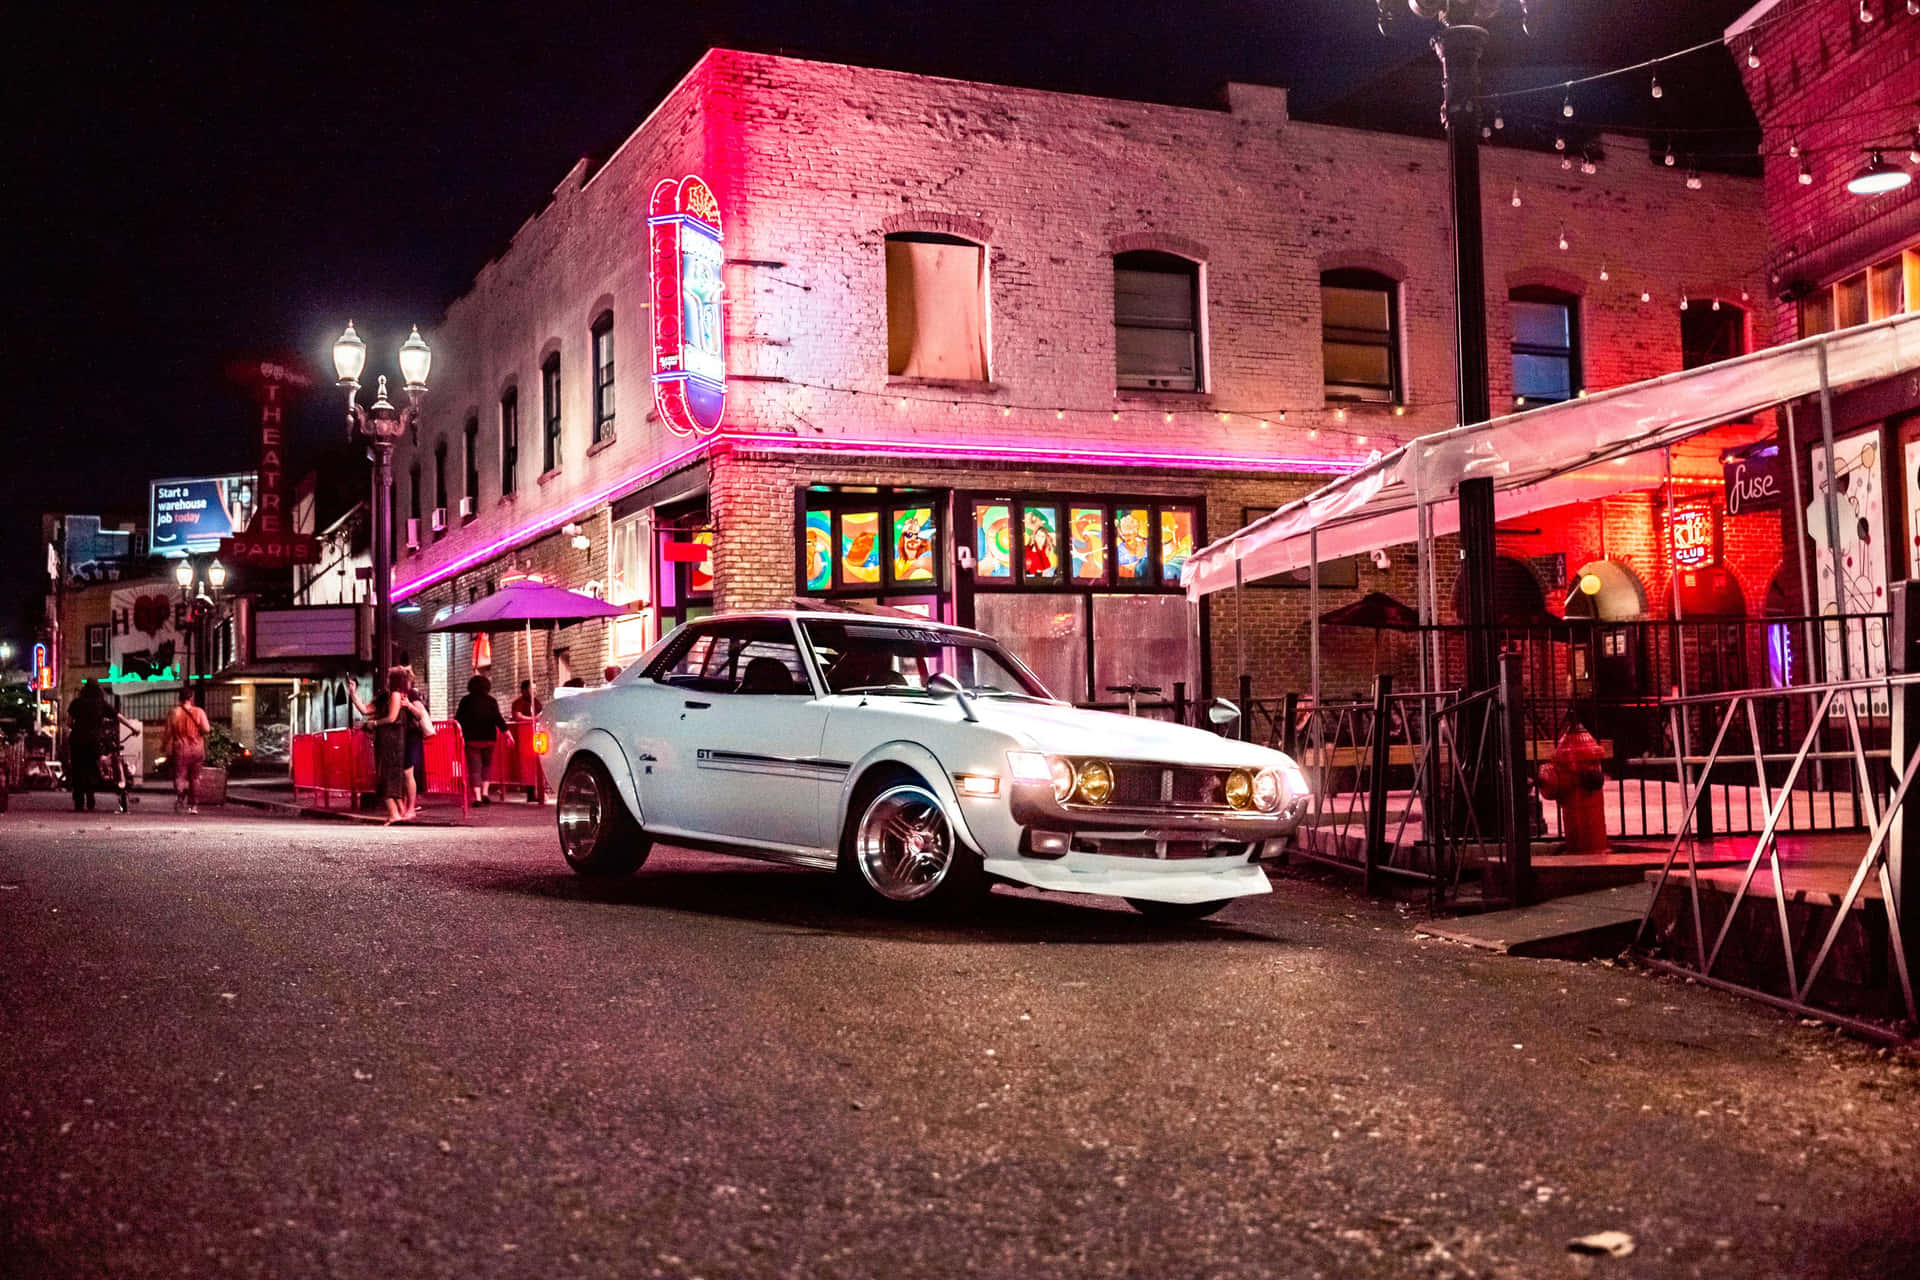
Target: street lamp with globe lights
(380, 426)
(199, 591)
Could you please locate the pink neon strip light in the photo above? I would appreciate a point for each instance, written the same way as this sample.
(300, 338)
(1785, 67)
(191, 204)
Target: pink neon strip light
(898, 448)
(550, 520)
(1080, 457)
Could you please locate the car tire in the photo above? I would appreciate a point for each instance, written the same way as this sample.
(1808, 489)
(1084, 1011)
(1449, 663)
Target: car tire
(598, 835)
(900, 853)
(1176, 912)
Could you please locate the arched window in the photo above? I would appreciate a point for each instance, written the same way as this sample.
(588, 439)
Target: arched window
(1156, 322)
(936, 307)
(1546, 345)
(1360, 336)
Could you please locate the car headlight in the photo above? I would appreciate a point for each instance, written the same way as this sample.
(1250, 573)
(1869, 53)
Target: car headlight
(1268, 790)
(1034, 766)
(1239, 788)
(1095, 781)
(1060, 774)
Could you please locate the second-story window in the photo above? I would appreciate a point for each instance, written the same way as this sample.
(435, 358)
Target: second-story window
(603, 378)
(936, 307)
(550, 414)
(1360, 336)
(1546, 346)
(440, 488)
(413, 508)
(509, 441)
(471, 488)
(1156, 322)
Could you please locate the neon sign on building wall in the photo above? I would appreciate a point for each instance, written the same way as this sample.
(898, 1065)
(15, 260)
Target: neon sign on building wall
(689, 341)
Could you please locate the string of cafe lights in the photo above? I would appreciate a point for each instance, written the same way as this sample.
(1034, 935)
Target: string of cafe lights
(1753, 39)
(1315, 417)
(1753, 42)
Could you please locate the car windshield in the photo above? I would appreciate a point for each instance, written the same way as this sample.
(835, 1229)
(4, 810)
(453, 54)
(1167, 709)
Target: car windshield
(885, 657)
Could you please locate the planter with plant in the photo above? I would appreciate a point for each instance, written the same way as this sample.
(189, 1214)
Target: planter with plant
(222, 751)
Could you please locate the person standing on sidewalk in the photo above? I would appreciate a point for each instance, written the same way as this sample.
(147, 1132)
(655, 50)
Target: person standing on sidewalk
(87, 719)
(186, 746)
(481, 725)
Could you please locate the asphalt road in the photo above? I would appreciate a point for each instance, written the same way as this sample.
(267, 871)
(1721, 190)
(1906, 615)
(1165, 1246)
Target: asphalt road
(245, 1046)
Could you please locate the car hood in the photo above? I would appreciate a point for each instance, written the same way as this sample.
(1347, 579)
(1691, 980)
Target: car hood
(1067, 730)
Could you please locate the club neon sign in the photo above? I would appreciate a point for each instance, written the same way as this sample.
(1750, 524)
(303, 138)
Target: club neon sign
(689, 342)
(1693, 537)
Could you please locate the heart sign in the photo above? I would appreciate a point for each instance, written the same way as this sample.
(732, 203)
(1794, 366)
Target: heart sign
(152, 613)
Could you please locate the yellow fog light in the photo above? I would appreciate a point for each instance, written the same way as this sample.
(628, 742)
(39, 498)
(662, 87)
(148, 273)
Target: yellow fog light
(1239, 788)
(1096, 782)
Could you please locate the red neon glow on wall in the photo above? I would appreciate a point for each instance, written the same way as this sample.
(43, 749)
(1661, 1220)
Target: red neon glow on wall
(689, 339)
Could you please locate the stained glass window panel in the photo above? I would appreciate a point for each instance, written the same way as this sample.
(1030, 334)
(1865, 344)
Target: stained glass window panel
(1176, 542)
(914, 542)
(1087, 527)
(700, 576)
(993, 536)
(1040, 543)
(1132, 549)
(819, 550)
(859, 547)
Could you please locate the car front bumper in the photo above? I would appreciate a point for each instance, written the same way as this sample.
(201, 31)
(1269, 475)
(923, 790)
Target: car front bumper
(1182, 880)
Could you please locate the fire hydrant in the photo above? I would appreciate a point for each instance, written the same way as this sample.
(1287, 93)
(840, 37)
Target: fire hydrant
(1574, 777)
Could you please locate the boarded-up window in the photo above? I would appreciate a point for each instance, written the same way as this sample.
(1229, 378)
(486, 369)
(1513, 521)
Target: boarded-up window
(1156, 326)
(936, 307)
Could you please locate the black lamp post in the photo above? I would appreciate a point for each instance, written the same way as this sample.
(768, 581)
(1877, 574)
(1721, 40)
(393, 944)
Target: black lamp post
(380, 425)
(1459, 43)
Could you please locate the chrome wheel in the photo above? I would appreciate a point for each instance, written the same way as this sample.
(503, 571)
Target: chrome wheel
(598, 835)
(904, 845)
(582, 812)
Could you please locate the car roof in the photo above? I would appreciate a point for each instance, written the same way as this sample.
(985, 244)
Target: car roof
(834, 615)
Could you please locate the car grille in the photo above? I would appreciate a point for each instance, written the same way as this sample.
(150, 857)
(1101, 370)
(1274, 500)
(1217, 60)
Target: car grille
(1153, 786)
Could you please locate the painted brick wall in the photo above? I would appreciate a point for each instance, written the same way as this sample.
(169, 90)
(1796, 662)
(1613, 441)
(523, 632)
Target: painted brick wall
(815, 163)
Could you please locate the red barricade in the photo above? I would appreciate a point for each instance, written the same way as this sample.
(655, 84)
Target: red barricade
(334, 765)
(447, 764)
(514, 761)
(337, 765)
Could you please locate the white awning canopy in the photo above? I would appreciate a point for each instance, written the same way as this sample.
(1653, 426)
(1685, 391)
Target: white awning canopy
(1572, 452)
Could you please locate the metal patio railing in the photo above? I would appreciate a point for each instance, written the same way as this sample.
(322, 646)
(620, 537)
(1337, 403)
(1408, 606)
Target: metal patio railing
(1830, 892)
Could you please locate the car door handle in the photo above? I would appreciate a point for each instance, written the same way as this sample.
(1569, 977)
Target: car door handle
(696, 706)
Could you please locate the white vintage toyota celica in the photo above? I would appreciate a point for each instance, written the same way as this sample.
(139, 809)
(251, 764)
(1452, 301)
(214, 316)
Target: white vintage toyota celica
(922, 762)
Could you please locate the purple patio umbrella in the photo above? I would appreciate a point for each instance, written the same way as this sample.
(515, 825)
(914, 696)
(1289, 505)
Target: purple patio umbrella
(525, 604)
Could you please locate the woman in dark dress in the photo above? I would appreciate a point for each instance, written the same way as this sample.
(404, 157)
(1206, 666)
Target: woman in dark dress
(389, 715)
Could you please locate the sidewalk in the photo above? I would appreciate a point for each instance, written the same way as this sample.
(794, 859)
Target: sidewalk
(273, 794)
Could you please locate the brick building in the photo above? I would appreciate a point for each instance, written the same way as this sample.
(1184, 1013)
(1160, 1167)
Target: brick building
(1827, 86)
(1005, 356)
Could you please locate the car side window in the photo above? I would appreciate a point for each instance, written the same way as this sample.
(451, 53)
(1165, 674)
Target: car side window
(748, 657)
(689, 668)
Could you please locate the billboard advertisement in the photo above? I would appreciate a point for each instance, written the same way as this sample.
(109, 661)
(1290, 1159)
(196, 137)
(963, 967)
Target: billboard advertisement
(190, 516)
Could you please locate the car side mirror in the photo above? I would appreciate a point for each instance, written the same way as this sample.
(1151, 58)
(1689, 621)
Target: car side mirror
(1223, 712)
(942, 685)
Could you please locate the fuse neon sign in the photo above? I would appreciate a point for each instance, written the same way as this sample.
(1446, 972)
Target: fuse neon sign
(689, 339)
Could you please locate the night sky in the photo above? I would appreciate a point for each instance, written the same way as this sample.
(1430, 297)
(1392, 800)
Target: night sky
(192, 188)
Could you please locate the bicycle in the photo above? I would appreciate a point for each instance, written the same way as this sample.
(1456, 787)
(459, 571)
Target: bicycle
(1133, 692)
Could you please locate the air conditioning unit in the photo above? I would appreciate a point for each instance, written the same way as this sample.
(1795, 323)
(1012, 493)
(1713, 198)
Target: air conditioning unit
(466, 508)
(439, 519)
(413, 533)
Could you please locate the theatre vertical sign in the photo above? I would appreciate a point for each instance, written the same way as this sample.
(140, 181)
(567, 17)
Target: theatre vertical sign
(270, 538)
